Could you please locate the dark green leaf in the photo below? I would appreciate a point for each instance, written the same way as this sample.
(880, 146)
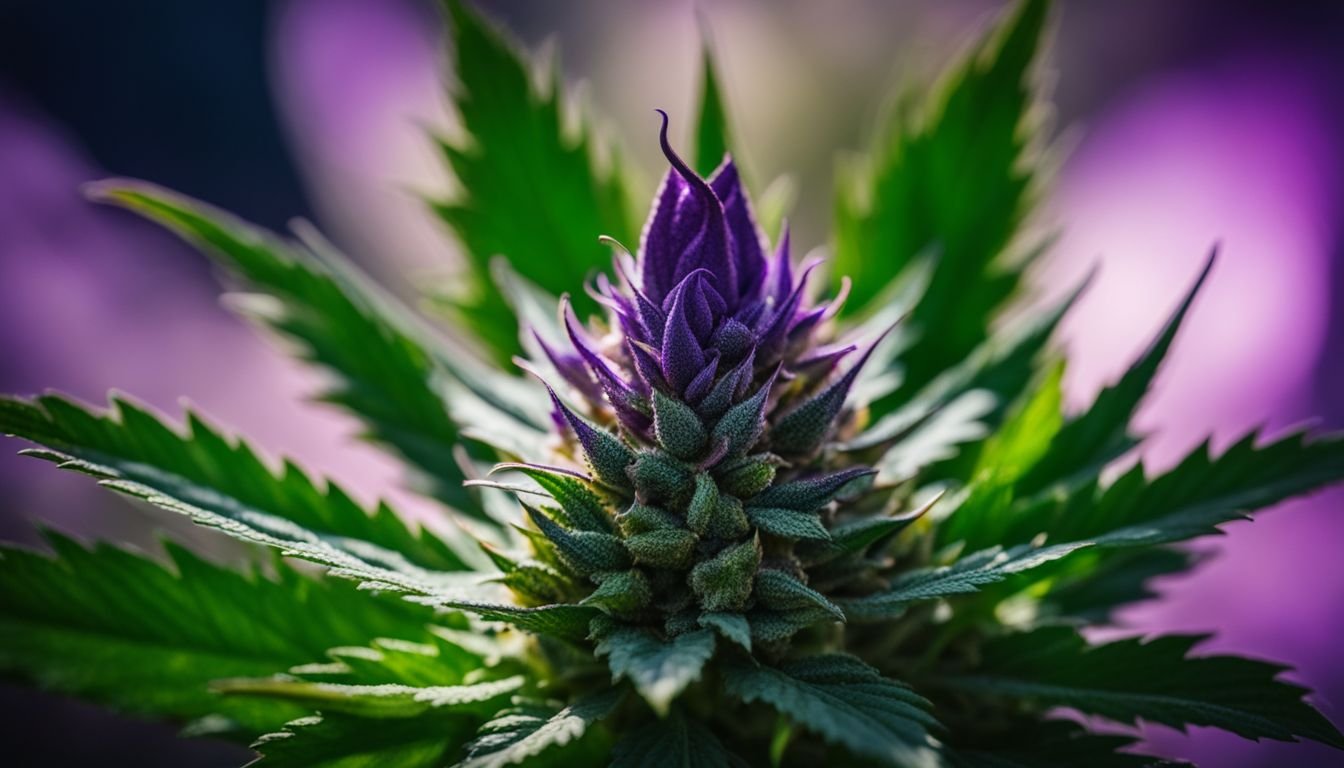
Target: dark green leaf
(341, 741)
(129, 633)
(847, 703)
(660, 669)
(672, 742)
(1155, 680)
(965, 576)
(539, 735)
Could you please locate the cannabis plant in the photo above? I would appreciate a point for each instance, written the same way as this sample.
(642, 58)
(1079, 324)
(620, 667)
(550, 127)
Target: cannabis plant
(710, 506)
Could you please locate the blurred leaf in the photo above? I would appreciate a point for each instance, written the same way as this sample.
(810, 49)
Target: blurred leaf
(711, 128)
(1026, 743)
(390, 371)
(1101, 433)
(531, 186)
(1154, 680)
(958, 177)
(672, 742)
(340, 741)
(122, 630)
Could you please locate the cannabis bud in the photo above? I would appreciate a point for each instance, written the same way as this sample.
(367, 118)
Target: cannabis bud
(708, 402)
(731, 549)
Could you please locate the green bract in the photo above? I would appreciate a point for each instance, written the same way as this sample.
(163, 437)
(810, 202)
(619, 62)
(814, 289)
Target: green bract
(717, 519)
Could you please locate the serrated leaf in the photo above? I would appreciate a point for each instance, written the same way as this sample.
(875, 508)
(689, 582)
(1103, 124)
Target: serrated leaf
(568, 622)
(965, 576)
(541, 735)
(675, 741)
(731, 626)
(1194, 497)
(1025, 743)
(788, 523)
(531, 182)
(1154, 680)
(1100, 434)
(846, 702)
(127, 632)
(391, 371)
(341, 741)
(385, 701)
(130, 443)
(659, 669)
(955, 177)
(223, 485)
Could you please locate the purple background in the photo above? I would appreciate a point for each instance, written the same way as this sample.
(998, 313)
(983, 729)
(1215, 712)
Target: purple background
(1185, 124)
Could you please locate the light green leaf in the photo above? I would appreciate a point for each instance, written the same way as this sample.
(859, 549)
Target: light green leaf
(1154, 680)
(660, 669)
(538, 735)
(129, 633)
(957, 177)
(966, 576)
(532, 188)
(389, 700)
(847, 703)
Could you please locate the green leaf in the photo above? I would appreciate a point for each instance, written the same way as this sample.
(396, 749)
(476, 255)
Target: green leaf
(129, 633)
(1154, 680)
(438, 662)
(731, 626)
(1194, 497)
(957, 177)
(531, 731)
(132, 444)
(223, 485)
(1101, 433)
(341, 741)
(531, 184)
(1026, 743)
(386, 701)
(391, 371)
(846, 702)
(569, 622)
(981, 519)
(711, 127)
(966, 576)
(659, 669)
(672, 742)
(1092, 591)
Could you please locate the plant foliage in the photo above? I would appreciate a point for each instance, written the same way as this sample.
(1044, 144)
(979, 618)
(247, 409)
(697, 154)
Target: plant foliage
(729, 521)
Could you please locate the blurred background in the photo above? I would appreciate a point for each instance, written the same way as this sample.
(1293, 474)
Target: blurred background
(1182, 124)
